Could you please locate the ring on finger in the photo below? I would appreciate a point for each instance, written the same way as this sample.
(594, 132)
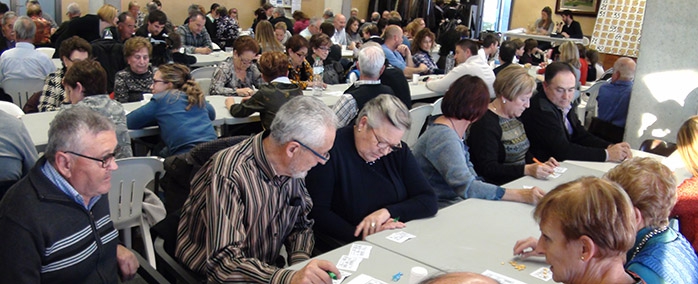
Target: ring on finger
(373, 224)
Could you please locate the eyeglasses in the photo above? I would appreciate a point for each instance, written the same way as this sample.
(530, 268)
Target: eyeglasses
(324, 157)
(383, 145)
(245, 61)
(106, 160)
(324, 48)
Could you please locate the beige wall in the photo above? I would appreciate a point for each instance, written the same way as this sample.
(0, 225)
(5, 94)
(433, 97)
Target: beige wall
(525, 13)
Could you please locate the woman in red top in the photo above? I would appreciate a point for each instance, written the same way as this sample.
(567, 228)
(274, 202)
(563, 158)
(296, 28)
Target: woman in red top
(686, 207)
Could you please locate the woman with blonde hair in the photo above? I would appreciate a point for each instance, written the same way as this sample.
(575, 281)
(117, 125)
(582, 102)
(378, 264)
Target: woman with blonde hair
(178, 107)
(544, 25)
(587, 226)
(687, 195)
(264, 34)
(498, 142)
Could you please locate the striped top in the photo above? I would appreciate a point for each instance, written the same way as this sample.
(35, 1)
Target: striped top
(238, 215)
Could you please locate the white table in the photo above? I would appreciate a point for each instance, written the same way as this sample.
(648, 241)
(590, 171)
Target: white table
(210, 59)
(541, 37)
(382, 264)
(574, 171)
(474, 235)
(331, 95)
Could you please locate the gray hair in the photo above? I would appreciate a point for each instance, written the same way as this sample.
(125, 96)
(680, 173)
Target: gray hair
(73, 8)
(303, 118)
(371, 60)
(24, 28)
(626, 67)
(151, 6)
(386, 108)
(328, 13)
(193, 8)
(70, 125)
(8, 16)
(280, 10)
(316, 20)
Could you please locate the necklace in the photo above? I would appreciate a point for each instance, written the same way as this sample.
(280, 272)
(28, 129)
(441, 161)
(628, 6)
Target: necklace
(454, 128)
(645, 239)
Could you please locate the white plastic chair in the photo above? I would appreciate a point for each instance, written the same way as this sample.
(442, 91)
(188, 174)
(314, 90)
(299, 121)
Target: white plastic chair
(591, 109)
(21, 89)
(203, 72)
(47, 50)
(11, 109)
(205, 85)
(418, 116)
(126, 198)
(436, 107)
(215, 46)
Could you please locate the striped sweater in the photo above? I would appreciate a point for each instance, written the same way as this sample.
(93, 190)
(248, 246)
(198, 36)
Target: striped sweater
(47, 237)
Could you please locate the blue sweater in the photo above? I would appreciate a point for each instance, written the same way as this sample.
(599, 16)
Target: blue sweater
(445, 162)
(180, 129)
(665, 258)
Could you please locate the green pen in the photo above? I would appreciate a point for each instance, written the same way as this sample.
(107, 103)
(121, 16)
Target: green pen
(396, 219)
(332, 275)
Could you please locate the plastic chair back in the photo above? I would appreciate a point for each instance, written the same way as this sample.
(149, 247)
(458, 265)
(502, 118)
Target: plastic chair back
(657, 146)
(11, 109)
(203, 72)
(592, 107)
(126, 197)
(165, 234)
(205, 85)
(47, 50)
(437, 107)
(418, 116)
(21, 89)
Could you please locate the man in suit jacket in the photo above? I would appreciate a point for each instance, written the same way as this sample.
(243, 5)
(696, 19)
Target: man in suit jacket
(553, 128)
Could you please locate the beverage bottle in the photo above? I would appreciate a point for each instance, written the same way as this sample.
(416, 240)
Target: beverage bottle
(318, 69)
(450, 62)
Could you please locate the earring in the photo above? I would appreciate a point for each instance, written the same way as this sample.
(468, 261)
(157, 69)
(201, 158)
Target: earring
(582, 257)
(504, 101)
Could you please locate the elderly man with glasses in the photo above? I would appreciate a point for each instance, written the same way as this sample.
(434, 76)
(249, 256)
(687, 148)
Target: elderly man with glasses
(55, 221)
(250, 199)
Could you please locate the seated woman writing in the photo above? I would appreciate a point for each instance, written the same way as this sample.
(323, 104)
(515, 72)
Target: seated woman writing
(444, 158)
(498, 142)
(371, 181)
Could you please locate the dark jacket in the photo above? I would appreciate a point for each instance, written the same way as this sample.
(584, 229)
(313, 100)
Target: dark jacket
(546, 131)
(267, 101)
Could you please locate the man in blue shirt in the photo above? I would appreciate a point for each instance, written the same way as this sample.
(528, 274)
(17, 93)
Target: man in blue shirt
(614, 98)
(398, 54)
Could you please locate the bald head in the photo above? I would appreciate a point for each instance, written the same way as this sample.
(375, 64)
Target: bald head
(392, 35)
(460, 278)
(624, 69)
(340, 22)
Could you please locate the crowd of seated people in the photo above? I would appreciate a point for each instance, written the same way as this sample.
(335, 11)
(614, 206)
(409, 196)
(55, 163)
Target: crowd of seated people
(321, 177)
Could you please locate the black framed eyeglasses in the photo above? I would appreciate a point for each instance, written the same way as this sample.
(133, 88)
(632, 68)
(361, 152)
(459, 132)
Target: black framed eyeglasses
(383, 145)
(324, 157)
(106, 160)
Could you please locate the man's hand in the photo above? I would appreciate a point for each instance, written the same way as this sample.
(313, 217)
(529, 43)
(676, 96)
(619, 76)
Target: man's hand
(526, 248)
(202, 50)
(619, 152)
(404, 50)
(128, 263)
(316, 271)
(229, 102)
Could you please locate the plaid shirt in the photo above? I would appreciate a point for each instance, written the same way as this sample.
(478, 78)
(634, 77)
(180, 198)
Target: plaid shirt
(190, 41)
(53, 93)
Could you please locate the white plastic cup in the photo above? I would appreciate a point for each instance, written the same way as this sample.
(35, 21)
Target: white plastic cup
(146, 98)
(415, 79)
(417, 274)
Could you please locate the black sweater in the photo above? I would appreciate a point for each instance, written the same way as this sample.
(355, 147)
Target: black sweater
(346, 189)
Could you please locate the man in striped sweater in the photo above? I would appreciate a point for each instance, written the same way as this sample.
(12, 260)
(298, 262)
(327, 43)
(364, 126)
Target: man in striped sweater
(250, 199)
(55, 221)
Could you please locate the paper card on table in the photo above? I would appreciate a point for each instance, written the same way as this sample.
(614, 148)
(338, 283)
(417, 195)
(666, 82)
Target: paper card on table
(501, 278)
(554, 175)
(365, 279)
(560, 170)
(349, 262)
(359, 250)
(334, 93)
(400, 237)
(543, 273)
(344, 274)
(527, 187)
